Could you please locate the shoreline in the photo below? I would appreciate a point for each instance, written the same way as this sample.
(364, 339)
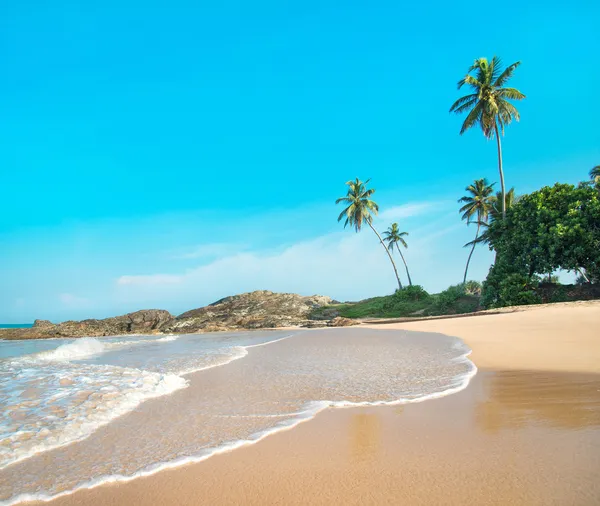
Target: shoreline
(363, 322)
(272, 449)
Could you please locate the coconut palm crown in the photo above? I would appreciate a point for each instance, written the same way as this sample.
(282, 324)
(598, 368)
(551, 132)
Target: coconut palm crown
(478, 203)
(488, 107)
(393, 237)
(360, 210)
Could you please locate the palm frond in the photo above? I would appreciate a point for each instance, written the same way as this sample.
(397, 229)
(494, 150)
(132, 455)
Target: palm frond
(462, 101)
(473, 118)
(506, 75)
(510, 93)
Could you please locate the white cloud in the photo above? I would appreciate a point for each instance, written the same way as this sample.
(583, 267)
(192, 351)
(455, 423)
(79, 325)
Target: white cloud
(73, 301)
(210, 250)
(344, 265)
(152, 279)
(406, 211)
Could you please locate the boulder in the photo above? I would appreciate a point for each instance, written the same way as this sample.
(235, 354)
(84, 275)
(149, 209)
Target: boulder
(255, 310)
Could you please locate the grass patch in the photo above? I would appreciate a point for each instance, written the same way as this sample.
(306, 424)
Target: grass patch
(412, 301)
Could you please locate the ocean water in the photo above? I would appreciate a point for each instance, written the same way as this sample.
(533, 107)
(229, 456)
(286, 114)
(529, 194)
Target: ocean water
(78, 413)
(15, 325)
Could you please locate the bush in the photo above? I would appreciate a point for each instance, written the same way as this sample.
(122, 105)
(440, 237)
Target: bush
(446, 301)
(505, 287)
(412, 293)
(473, 288)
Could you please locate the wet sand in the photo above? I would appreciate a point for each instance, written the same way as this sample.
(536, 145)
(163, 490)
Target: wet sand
(525, 432)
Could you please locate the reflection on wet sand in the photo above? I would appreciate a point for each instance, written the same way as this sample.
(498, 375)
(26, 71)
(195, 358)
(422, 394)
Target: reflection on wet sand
(518, 399)
(365, 436)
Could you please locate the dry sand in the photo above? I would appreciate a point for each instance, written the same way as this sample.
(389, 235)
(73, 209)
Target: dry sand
(525, 432)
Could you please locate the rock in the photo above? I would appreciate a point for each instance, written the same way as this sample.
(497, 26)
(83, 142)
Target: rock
(141, 322)
(42, 324)
(254, 310)
(342, 322)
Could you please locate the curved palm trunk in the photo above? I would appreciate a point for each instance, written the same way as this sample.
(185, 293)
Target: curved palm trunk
(587, 280)
(405, 266)
(388, 254)
(500, 170)
(472, 249)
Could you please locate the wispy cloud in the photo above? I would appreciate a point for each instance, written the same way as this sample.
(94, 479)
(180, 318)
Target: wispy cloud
(406, 211)
(344, 265)
(73, 301)
(210, 250)
(151, 279)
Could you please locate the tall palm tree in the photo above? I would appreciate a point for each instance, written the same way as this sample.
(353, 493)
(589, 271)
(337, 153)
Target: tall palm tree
(488, 105)
(359, 210)
(393, 237)
(595, 174)
(478, 203)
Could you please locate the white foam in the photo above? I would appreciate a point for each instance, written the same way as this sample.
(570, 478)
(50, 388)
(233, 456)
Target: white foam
(97, 395)
(167, 339)
(312, 408)
(81, 348)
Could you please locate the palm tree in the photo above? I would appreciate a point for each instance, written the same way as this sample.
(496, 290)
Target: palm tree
(488, 105)
(595, 174)
(479, 204)
(496, 201)
(360, 209)
(393, 237)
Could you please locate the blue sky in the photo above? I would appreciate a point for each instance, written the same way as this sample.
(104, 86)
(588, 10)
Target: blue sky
(166, 154)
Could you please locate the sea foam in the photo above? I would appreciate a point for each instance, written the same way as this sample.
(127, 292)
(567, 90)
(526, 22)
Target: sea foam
(283, 386)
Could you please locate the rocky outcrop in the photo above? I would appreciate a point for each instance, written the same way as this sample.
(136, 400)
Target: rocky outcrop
(146, 321)
(254, 310)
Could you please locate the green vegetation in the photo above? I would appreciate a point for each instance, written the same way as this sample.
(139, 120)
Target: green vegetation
(553, 228)
(533, 236)
(595, 174)
(412, 301)
(360, 209)
(488, 105)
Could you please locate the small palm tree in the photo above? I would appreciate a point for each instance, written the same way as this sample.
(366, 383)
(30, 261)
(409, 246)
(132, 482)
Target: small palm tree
(478, 203)
(496, 201)
(393, 237)
(488, 105)
(359, 210)
(595, 174)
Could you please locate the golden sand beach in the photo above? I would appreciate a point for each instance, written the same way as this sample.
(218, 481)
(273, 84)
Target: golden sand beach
(526, 431)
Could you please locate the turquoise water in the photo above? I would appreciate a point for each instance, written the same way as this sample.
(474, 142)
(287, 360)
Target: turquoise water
(16, 325)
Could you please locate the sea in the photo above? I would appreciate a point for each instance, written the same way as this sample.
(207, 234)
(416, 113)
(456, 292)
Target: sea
(16, 325)
(77, 413)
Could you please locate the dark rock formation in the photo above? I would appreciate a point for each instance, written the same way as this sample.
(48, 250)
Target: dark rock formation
(254, 310)
(147, 321)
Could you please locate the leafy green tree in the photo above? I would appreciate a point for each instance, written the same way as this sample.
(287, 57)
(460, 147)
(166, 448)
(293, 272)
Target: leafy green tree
(477, 204)
(553, 228)
(488, 106)
(359, 210)
(595, 174)
(393, 237)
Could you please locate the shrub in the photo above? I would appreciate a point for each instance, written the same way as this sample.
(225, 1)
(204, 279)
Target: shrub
(473, 288)
(446, 301)
(505, 287)
(412, 293)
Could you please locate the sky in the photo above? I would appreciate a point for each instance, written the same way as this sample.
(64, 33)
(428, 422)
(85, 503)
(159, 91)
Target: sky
(167, 154)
